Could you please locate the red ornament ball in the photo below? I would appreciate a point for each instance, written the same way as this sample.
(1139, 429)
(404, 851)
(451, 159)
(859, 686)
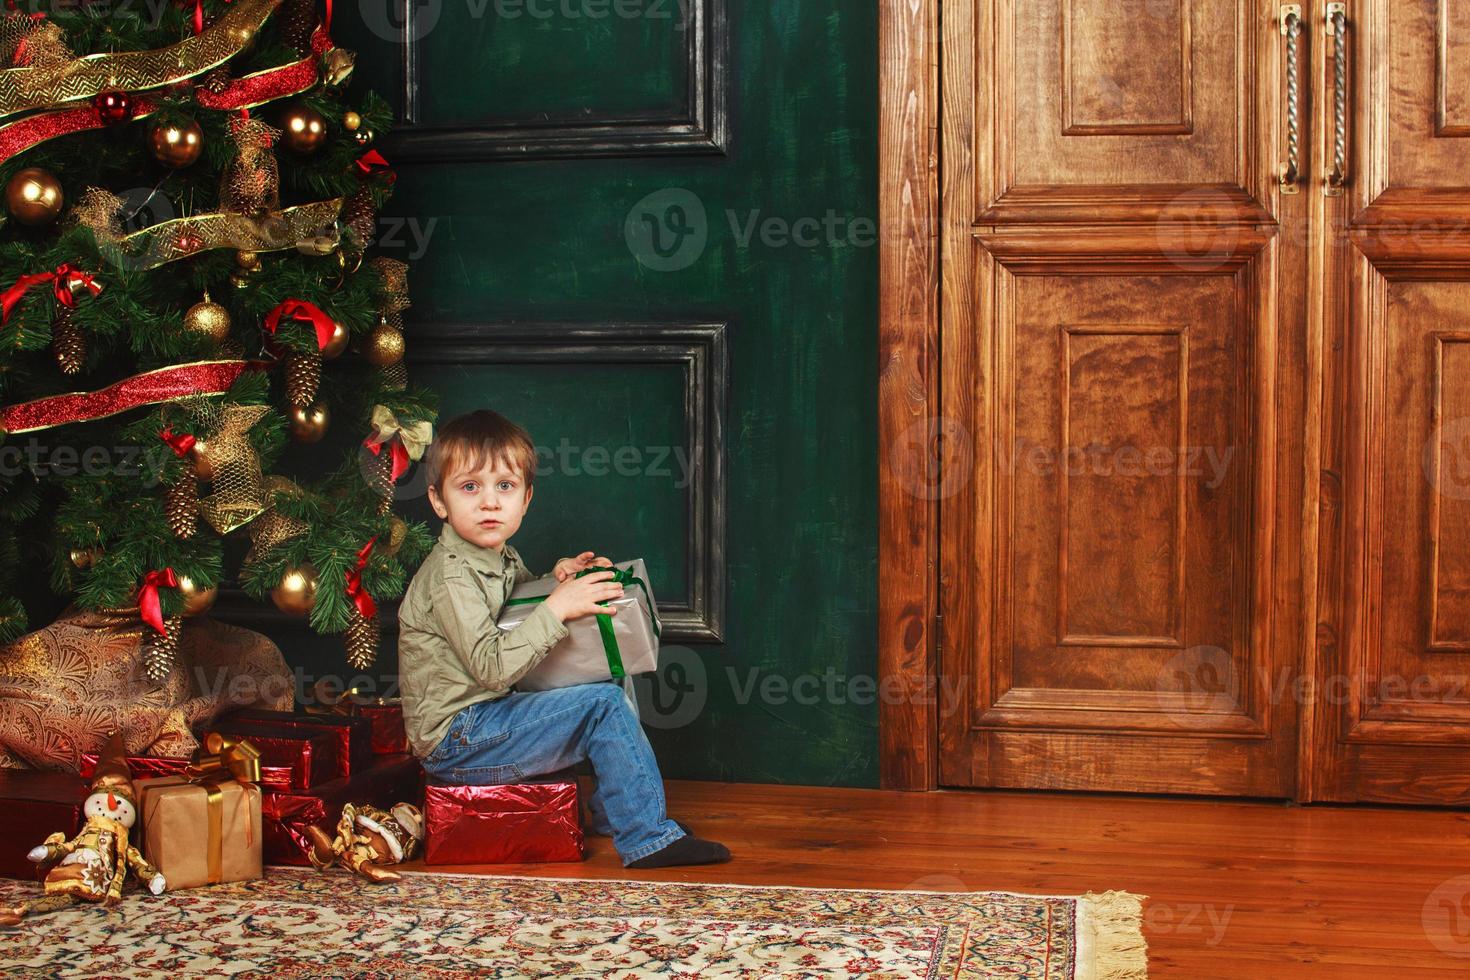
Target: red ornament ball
(114, 106)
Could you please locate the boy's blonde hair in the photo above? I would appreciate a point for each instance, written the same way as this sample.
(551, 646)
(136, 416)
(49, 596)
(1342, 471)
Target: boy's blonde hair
(469, 441)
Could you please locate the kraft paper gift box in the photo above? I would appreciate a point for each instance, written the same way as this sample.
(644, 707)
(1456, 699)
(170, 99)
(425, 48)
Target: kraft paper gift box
(528, 822)
(201, 833)
(34, 803)
(596, 648)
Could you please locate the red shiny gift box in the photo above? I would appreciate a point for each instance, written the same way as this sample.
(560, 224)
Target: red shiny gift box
(354, 735)
(34, 804)
(390, 779)
(513, 823)
(150, 767)
(308, 754)
(386, 716)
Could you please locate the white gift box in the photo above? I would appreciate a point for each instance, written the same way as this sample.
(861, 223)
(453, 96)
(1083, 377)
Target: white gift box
(585, 655)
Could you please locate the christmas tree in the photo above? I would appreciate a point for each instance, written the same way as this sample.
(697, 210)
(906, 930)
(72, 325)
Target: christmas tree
(188, 294)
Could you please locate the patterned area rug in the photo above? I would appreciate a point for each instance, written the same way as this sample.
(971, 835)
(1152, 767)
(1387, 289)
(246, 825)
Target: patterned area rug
(298, 923)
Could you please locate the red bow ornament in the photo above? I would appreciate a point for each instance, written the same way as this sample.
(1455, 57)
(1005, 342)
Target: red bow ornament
(148, 605)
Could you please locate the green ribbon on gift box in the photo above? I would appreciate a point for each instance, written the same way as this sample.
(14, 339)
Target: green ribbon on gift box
(625, 578)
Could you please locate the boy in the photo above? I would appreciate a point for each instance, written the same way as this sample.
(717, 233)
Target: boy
(462, 719)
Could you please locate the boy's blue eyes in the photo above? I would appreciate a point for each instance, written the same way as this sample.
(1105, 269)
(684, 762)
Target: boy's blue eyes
(472, 487)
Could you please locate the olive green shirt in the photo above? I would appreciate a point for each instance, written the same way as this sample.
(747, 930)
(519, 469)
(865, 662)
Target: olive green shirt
(450, 653)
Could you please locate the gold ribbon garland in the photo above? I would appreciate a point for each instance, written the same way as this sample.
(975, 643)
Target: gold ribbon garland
(180, 238)
(133, 71)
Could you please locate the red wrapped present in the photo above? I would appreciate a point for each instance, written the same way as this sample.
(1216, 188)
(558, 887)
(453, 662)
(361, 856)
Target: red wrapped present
(390, 779)
(308, 754)
(354, 735)
(386, 715)
(34, 803)
(512, 823)
(152, 767)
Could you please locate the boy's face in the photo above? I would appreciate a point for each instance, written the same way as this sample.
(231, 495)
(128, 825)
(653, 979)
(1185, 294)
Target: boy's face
(484, 506)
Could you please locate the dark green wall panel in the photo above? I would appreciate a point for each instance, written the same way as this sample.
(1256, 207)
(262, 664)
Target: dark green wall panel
(789, 695)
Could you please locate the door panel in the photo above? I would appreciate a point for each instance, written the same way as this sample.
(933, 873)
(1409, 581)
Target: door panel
(1123, 331)
(1392, 716)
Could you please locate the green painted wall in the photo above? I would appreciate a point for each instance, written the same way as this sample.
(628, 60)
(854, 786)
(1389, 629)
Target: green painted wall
(789, 696)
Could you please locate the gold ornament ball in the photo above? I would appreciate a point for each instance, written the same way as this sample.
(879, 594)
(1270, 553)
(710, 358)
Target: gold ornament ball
(350, 121)
(247, 260)
(296, 593)
(397, 533)
(338, 343)
(209, 320)
(33, 196)
(176, 146)
(384, 346)
(203, 468)
(308, 424)
(196, 600)
(304, 129)
(85, 557)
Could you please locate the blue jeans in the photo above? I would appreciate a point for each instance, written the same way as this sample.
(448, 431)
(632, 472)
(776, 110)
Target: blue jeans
(530, 733)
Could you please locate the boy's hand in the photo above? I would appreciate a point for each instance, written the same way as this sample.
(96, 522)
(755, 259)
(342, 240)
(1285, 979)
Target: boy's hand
(575, 598)
(568, 567)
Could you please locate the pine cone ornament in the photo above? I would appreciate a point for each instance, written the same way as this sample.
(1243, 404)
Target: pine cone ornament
(303, 377)
(378, 469)
(181, 506)
(161, 650)
(361, 640)
(68, 341)
(217, 79)
(360, 217)
(298, 20)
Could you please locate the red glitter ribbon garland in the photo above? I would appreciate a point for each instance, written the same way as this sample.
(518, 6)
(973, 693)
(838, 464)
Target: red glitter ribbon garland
(360, 596)
(163, 385)
(148, 605)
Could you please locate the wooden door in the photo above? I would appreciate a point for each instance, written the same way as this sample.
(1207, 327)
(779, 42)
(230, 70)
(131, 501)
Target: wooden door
(1390, 719)
(1123, 290)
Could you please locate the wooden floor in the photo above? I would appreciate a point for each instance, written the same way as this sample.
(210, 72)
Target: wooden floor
(1239, 890)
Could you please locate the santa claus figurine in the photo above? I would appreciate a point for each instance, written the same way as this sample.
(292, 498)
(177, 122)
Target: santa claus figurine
(368, 839)
(91, 866)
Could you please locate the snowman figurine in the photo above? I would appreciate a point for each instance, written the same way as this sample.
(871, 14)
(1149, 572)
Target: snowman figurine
(92, 865)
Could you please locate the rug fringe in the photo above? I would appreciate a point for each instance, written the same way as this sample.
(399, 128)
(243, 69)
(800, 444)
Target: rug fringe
(1111, 924)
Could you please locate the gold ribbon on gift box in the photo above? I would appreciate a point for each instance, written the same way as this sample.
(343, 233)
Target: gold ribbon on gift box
(221, 760)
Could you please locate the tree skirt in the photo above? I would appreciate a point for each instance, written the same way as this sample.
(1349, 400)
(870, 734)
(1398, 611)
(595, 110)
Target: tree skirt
(304, 923)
